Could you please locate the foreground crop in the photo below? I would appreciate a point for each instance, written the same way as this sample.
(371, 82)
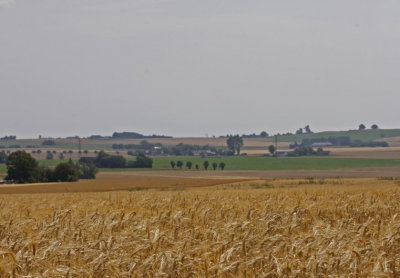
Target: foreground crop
(320, 231)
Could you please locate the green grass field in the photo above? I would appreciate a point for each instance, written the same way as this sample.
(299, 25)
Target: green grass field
(363, 135)
(3, 169)
(270, 163)
(256, 163)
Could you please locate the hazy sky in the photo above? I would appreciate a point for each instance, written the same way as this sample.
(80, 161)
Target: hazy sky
(190, 68)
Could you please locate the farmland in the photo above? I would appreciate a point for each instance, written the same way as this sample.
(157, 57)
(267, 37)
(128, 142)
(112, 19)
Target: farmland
(363, 135)
(249, 143)
(270, 163)
(254, 163)
(273, 228)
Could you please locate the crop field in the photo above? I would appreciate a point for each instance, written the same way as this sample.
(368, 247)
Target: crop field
(276, 228)
(255, 163)
(270, 163)
(363, 135)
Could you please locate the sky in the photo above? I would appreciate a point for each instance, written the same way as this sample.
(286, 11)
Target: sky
(197, 67)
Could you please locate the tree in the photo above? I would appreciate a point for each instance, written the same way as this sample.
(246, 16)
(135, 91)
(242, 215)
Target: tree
(299, 131)
(179, 164)
(307, 129)
(374, 126)
(86, 170)
(65, 172)
(215, 165)
(3, 157)
(104, 160)
(235, 143)
(21, 167)
(197, 166)
(206, 164)
(189, 165)
(49, 155)
(172, 163)
(263, 134)
(222, 165)
(361, 127)
(142, 161)
(271, 149)
(61, 156)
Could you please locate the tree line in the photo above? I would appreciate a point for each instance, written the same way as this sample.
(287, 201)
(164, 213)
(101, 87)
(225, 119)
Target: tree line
(105, 160)
(23, 168)
(179, 164)
(338, 141)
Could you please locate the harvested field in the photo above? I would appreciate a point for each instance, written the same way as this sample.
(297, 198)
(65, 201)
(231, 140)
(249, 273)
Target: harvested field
(181, 180)
(339, 228)
(281, 174)
(377, 152)
(118, 181)
(393, 141)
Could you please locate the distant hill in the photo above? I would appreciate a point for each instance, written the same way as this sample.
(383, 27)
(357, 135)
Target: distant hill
(135, 135)
(363, 135)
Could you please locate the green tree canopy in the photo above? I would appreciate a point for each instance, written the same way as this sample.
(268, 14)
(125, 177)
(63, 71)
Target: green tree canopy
(234, 143)
(65, 172)
(21, 167)
(179, 164)
(271, 149)
(3, 157)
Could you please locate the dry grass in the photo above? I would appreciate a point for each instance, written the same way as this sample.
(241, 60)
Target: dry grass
(335, 228)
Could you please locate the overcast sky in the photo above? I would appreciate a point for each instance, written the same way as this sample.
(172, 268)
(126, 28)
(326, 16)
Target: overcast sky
(196, 67)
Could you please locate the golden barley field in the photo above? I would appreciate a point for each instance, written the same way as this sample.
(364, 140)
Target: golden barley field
(265, 228)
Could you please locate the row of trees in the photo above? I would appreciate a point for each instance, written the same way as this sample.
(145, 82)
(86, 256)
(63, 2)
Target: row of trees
(306, 130)
(10, 137)
(206, 165)
(23, 168)
(104, 160)
(363, 127)
(339, 141)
